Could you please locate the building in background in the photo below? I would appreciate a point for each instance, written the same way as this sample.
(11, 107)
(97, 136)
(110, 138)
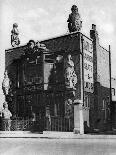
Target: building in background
(102, 83)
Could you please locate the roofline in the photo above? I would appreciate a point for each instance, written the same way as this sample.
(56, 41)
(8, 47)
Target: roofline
(63, 35)
(10, 49)
(66, 34)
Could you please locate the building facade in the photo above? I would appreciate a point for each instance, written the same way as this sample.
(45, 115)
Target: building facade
(47, 77)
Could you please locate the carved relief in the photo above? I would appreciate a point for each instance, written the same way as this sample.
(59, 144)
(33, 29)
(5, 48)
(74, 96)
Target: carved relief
(74, 20)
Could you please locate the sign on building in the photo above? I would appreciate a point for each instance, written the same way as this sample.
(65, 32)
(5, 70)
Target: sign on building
(88, 64)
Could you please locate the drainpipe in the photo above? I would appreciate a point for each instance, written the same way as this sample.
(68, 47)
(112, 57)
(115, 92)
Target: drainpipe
(110, 87)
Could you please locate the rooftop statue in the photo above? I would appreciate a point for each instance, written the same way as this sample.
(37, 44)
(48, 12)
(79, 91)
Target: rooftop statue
(15, 36)
(74, 20)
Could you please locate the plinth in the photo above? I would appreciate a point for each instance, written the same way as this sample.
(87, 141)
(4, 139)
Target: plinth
(78, 117)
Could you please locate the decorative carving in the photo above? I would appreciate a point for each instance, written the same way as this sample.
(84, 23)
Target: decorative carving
(70, 75)
(6, 84)
(74, 20)
(15, 36)
(30, 47)
(34, 47)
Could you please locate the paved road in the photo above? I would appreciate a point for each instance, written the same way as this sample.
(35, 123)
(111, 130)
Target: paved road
(37, 146)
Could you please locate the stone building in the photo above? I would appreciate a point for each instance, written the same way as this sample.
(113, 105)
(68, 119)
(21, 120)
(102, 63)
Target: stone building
(48, 79)
(55, 73)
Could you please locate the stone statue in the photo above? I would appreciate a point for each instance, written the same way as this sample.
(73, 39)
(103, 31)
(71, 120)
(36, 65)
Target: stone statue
(15, 36)
(6, 117)
(70, 75)
(6, 84)
(33, 47)
(74, 20)
(68, 108)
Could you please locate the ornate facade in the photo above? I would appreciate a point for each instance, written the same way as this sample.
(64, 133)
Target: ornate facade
(47, 78)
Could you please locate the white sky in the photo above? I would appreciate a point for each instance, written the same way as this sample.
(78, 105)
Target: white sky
(40, 19)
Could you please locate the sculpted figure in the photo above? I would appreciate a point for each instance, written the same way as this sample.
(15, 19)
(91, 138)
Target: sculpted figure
(15, 36)
(33, 47)
(74, 20)
(70, 75)
(6, 84)
(6, 116)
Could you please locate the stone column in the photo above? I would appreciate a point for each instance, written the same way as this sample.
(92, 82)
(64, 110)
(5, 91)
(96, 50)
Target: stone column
(78, 117)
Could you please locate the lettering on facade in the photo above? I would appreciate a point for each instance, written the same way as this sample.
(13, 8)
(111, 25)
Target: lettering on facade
(88, 65)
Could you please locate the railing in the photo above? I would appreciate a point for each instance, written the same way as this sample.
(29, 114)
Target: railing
(49, 124)
(61, 124)
(17, 124)
(21, 124)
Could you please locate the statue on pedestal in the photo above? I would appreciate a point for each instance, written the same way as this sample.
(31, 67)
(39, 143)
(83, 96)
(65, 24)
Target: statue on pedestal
(15, 36)
(74, 20)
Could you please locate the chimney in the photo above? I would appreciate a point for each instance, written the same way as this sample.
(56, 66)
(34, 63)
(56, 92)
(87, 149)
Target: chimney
(94, 33)
(95, 38)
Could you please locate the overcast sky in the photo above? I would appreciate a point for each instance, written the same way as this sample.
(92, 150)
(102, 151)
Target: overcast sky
(40, 19)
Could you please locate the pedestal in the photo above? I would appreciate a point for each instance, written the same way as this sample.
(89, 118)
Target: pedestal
(78, 117)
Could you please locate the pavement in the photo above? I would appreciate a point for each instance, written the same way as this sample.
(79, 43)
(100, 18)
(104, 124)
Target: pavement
(53, 135)
(43, 146)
